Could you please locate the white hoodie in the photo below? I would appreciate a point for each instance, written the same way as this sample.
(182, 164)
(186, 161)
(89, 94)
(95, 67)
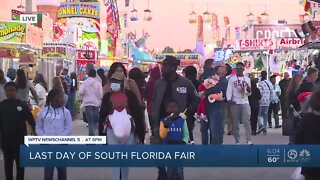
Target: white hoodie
(234, 89)
(90, 92)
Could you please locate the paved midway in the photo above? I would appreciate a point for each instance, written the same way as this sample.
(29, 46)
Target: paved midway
(274, 137)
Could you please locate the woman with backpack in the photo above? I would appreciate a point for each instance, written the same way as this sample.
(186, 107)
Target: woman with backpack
(121, 119)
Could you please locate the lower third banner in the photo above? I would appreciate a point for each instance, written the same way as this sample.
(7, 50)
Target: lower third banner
(169, 155)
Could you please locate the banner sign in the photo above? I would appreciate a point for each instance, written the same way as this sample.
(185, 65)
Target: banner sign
(255, 44)
(170, 156)
(71, 9)
(83, 55)
(54, 50)
(268, 44)
(8, 51)
(275, 31)
(182, 56)
(13, 32)
(289, 43)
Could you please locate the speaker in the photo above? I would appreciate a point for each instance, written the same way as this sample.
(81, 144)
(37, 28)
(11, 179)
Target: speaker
(310, 24)
(305, 29)
(298, 34)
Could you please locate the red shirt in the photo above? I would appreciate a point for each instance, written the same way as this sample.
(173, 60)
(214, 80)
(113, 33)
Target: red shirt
(119, 102)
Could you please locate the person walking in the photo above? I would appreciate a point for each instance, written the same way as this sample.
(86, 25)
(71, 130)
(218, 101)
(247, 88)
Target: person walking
(101, 74)
(57, 85)
(155, 75)
(137, 76)
(266, 88)
(238, 91)
(73, 87)
(54, 120)
(90, 92)
(121, 119)
(208, 70)
(41, 88)
(307, 133)
(309, 83)
(228, 106)
(254, 99)
(215, 107)
(173, 131)
(284, 83)
(14, 113)
(3, 82)
(24, 87)
(128, 83)
(171, 85)
(275, 103)
(191, 74)
(292, 92)
(293, 103)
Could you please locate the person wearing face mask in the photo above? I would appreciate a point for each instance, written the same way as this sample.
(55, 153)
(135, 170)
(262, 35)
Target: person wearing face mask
(91, 94)
(121, 119)
(128, 83)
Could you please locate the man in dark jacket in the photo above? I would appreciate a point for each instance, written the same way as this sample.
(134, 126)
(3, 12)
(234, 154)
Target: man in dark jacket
(284, 83)
(172, 86)
(13, 116)
(309, 84)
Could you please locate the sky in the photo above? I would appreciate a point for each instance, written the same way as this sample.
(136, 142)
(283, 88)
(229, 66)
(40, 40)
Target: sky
(170, 26)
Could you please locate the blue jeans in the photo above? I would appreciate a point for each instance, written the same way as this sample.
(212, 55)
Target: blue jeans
(263, 113)
(174, 173)
(71, 103)
(216, 124)
(92, 114)
(48, 173)
(204, 129)
(123, 171)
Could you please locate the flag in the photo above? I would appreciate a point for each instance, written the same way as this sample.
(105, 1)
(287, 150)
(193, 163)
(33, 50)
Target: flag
(238, 32)
(200, 29)
(127, 3)
(214, 21)
(259, 20)
(226, 20)
(227, 24)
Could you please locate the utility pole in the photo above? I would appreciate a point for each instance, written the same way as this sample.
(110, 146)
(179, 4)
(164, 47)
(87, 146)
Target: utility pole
(28, 6)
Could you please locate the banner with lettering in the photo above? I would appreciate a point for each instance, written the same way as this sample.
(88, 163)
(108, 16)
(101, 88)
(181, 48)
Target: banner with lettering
(255, 44)
(275, 31)
(13, 32)
(74, 9)
(54, 50)
(268, 44)
(290, 43)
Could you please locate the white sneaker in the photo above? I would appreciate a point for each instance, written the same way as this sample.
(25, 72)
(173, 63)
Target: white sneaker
(249, 142)
(238, 143)
(192, 143)
(197, 117)
(87, 125)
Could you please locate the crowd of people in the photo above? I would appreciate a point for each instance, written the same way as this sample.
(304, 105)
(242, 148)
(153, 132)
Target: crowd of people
(127, 105)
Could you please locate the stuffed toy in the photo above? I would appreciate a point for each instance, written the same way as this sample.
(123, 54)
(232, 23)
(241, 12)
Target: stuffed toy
(215, 97)
(211, 82)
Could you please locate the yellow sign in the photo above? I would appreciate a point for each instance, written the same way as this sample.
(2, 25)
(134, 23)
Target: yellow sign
(13, 51)
(71, 9)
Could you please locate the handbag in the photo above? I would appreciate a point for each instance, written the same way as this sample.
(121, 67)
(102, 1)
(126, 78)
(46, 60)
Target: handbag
(288, 125)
